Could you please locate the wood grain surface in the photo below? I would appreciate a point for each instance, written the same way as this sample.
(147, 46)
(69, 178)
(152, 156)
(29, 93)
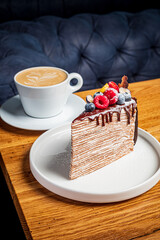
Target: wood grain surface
(45, 215)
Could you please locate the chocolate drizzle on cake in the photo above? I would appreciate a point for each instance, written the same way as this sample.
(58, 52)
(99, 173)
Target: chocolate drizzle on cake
(107, 114)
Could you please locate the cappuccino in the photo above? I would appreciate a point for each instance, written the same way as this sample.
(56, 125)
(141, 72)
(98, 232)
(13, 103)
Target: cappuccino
(44, 91)
(41, 76)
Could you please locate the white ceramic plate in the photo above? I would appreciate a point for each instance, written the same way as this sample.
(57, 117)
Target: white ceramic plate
(12, 113)
(126, 178)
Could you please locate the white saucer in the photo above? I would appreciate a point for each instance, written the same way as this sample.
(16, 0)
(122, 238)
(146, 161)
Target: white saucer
(12, 113)
(126, 178)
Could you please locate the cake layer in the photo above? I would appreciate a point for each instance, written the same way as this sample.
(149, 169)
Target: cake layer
(101, 137)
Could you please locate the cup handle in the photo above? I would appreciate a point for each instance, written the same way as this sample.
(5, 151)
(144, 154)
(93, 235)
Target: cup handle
(79, 83)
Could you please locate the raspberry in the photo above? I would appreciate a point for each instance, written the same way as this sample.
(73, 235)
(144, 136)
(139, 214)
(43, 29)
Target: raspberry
(101, 101)
(113, 85)
(112, 95)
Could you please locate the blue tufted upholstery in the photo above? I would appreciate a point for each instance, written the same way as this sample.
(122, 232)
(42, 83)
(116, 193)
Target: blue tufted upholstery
(100, 47)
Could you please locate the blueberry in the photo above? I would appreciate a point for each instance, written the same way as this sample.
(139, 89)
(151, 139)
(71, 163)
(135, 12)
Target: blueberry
(89, 107)
(97, 93)
(121, 99)
(127, 96)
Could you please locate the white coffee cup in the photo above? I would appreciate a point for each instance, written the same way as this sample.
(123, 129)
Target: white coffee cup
(47, 101)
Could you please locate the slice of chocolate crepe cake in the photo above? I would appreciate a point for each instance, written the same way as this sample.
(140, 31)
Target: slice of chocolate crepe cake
(102, 135)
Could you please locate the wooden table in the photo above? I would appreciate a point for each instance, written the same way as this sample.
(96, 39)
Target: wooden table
(44, 215)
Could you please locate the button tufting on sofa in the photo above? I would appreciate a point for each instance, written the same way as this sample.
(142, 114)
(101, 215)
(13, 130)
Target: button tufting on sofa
(99, 47)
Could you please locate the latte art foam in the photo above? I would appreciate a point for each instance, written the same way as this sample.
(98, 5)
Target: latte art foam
(41, 77)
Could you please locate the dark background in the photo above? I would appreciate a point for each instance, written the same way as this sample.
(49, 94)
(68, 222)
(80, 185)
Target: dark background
(10, 224)
(29, 9)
